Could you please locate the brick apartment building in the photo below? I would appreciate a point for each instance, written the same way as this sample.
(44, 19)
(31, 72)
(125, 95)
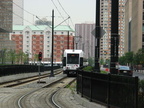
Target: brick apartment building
(34, 39)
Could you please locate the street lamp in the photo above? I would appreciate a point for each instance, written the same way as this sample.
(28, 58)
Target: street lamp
(76, 40)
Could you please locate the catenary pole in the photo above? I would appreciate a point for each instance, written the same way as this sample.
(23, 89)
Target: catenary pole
(52, 74)
(114, 36)
(68, 41)
(97, 36)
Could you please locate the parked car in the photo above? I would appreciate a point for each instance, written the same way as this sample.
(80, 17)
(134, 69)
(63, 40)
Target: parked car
(125, 70)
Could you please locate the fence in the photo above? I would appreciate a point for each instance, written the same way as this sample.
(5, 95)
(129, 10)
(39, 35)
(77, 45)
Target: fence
(111, 90)
(17, 69)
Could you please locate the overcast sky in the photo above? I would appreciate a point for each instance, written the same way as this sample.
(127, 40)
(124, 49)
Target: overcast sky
(80, 11)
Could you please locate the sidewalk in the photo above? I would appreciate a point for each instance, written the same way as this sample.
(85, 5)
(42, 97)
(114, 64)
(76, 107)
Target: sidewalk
(86, 103)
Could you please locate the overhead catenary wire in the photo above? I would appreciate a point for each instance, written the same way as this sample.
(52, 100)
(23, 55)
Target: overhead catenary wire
(17, 15)
(23, 9)
(58, 11)
(67, 15)
(39, 18)
(37, 15)
(63, 8)
(64, 20)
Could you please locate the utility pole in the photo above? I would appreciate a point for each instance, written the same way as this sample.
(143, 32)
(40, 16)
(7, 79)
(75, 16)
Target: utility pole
(97, 36)
(52, 74)
(114, 36)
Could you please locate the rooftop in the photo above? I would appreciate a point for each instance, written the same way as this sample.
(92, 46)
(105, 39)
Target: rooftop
(42, 27)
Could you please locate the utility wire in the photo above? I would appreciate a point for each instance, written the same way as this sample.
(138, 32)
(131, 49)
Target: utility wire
(36, 15)
(63, 8)
(62, 22)
(17, 15)
(40, 19)
(23, 9)
(58, 10)
(67, 18)
(66, 13)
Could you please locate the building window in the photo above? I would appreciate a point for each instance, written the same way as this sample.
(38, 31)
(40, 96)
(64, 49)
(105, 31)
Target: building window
(41, 37)
(48, 33)
(27, 32)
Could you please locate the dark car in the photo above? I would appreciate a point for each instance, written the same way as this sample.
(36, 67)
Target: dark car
(125, 70)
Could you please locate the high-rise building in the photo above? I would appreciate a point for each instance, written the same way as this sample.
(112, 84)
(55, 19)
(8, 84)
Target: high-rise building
(134, 31)
(6, 15)
(105, 22)
(43, 21)
(5, 24)
(128, 21)
(84, 39)
(18, 13)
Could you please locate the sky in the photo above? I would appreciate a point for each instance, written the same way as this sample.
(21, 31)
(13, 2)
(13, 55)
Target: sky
(80, 11)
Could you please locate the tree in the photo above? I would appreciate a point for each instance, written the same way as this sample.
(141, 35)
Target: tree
(107, 63)
(101, 61)
(12, 56)
(122, 60)
(20, 57)
(3, 55)
(129, 56)
(139, 57)
(90, 61)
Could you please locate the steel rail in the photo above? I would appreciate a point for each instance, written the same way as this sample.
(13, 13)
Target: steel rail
(19, 102)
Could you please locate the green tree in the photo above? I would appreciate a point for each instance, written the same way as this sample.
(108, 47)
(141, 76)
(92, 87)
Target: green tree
(129, 57)
(3, 55)
(26, 58)
(102, 61)
(12, 56)
(139, 57)
(90, 61)
(122, 60)
(20, 57)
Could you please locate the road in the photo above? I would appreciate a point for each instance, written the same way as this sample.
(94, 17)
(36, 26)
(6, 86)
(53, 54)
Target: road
(140, 75)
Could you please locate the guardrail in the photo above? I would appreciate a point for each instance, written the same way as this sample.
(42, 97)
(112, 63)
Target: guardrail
(17, 69)
(110, 90)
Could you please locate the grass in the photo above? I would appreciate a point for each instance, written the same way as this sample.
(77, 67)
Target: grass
(90, 68)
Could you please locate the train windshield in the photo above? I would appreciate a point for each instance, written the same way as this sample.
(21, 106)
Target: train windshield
(73, 59)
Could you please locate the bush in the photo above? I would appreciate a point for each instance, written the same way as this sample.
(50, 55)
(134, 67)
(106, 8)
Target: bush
(141, 94)
(88, 68)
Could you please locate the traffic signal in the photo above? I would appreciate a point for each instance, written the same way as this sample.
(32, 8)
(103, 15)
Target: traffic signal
(40, 56)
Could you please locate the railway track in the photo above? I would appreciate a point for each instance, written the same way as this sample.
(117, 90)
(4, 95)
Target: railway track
(27, 80)
(44, 97)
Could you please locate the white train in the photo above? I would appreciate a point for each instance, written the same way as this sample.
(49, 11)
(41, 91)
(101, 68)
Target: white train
(72, 59)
